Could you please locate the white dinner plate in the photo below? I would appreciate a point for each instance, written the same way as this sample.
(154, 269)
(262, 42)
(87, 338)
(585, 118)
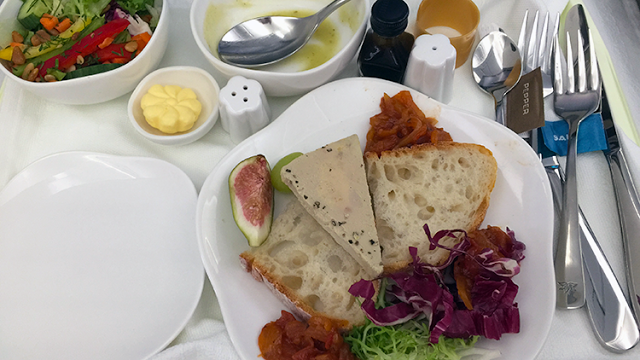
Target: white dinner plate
(98, 258)
(520, 200)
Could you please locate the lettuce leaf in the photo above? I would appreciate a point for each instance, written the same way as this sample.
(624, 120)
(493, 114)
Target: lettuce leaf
(135, 6)
(407, 341)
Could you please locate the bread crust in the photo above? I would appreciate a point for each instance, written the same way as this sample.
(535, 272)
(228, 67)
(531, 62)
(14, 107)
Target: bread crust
(381, 184)
(298, 307)
(306, 269)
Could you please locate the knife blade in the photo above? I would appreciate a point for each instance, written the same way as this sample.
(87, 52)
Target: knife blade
(628, 205)
(611, 316)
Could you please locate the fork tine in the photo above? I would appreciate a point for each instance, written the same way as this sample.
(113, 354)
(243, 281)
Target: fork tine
(543, 50)
(582, 68)
(556, 26)
(532, 49)
(558, 76)
(523, 33)
(571, 82)
(594, 76)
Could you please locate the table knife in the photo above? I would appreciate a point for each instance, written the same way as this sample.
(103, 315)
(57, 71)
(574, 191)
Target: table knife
(628, 205)
(611, 316)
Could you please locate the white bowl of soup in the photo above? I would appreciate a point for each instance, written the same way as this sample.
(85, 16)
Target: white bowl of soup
(330, 50)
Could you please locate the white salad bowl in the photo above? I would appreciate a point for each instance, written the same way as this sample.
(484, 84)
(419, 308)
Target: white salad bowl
(90, 89)
(210, 19)
(203, 85)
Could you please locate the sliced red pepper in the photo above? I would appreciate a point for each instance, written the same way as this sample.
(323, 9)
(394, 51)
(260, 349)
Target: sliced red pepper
(86, 46)
(113, 51)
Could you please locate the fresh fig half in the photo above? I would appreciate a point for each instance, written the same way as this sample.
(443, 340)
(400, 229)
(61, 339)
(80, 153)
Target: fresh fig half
(252, 198)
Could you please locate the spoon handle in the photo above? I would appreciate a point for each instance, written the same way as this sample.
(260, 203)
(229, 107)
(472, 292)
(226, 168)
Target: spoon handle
(500, 105)
(501, 109)
(327, 10)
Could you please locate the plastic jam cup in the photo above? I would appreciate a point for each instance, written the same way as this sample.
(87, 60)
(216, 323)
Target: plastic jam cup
(456, 19)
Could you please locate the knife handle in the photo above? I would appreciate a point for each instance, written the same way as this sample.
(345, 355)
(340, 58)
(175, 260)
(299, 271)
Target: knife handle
(629, 212)
(611, 317)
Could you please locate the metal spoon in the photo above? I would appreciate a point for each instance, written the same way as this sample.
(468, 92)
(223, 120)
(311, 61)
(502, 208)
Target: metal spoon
(496, 67)
(268, 39)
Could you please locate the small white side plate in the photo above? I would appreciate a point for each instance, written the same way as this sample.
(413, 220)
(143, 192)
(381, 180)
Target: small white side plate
(98, 258)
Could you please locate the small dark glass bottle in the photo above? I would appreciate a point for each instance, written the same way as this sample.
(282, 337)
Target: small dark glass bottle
(386, 47)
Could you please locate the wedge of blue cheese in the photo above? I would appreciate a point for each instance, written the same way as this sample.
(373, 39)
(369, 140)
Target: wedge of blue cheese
(331, 184)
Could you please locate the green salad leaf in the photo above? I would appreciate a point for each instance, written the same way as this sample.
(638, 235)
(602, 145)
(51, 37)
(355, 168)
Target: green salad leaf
(407, 341)
(84, 8)
(135, 6)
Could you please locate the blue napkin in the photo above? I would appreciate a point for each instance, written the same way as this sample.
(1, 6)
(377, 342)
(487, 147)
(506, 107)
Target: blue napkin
(591, 136)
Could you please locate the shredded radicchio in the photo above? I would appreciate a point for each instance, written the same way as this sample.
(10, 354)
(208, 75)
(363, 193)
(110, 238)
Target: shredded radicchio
(422, 292)
(111, 14)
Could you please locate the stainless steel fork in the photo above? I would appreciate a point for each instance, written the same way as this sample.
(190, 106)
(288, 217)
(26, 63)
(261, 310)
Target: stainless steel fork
(535, 47)
(536, 50)
(573, 102)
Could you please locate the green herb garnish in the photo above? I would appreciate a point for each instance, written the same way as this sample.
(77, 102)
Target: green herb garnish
(407, 341)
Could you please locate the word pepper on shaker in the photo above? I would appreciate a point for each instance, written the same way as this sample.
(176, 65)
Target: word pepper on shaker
(431, 66)
(243, 108)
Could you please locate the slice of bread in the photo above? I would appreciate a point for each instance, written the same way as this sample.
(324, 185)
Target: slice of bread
(302, 264)
(446, 186)
(331, 184)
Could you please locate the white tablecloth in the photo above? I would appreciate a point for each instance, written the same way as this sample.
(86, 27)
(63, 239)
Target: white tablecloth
(31, 128)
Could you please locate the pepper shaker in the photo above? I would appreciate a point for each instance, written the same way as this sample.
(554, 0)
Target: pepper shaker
(431, 66)
(243, 108)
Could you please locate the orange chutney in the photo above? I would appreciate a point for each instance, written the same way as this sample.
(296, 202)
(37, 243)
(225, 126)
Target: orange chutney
(290, 339)
(401, 124)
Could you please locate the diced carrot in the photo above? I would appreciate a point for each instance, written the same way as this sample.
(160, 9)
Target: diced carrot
(14, 44)
(63, 25)
(48, 21)
(119, 60)
(142, 40)
(106, 42)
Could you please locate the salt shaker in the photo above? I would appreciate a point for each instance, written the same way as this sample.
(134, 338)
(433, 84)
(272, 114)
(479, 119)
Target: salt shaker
(431, 66)
(243, 108)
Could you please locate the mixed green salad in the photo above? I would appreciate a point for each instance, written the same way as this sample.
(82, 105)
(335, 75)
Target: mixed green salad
(66, 39)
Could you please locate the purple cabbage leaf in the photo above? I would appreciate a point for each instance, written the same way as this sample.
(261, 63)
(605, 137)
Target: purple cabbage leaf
(422, 294)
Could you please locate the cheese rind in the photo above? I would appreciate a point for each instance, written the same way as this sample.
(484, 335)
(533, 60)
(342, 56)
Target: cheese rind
(331, 184)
